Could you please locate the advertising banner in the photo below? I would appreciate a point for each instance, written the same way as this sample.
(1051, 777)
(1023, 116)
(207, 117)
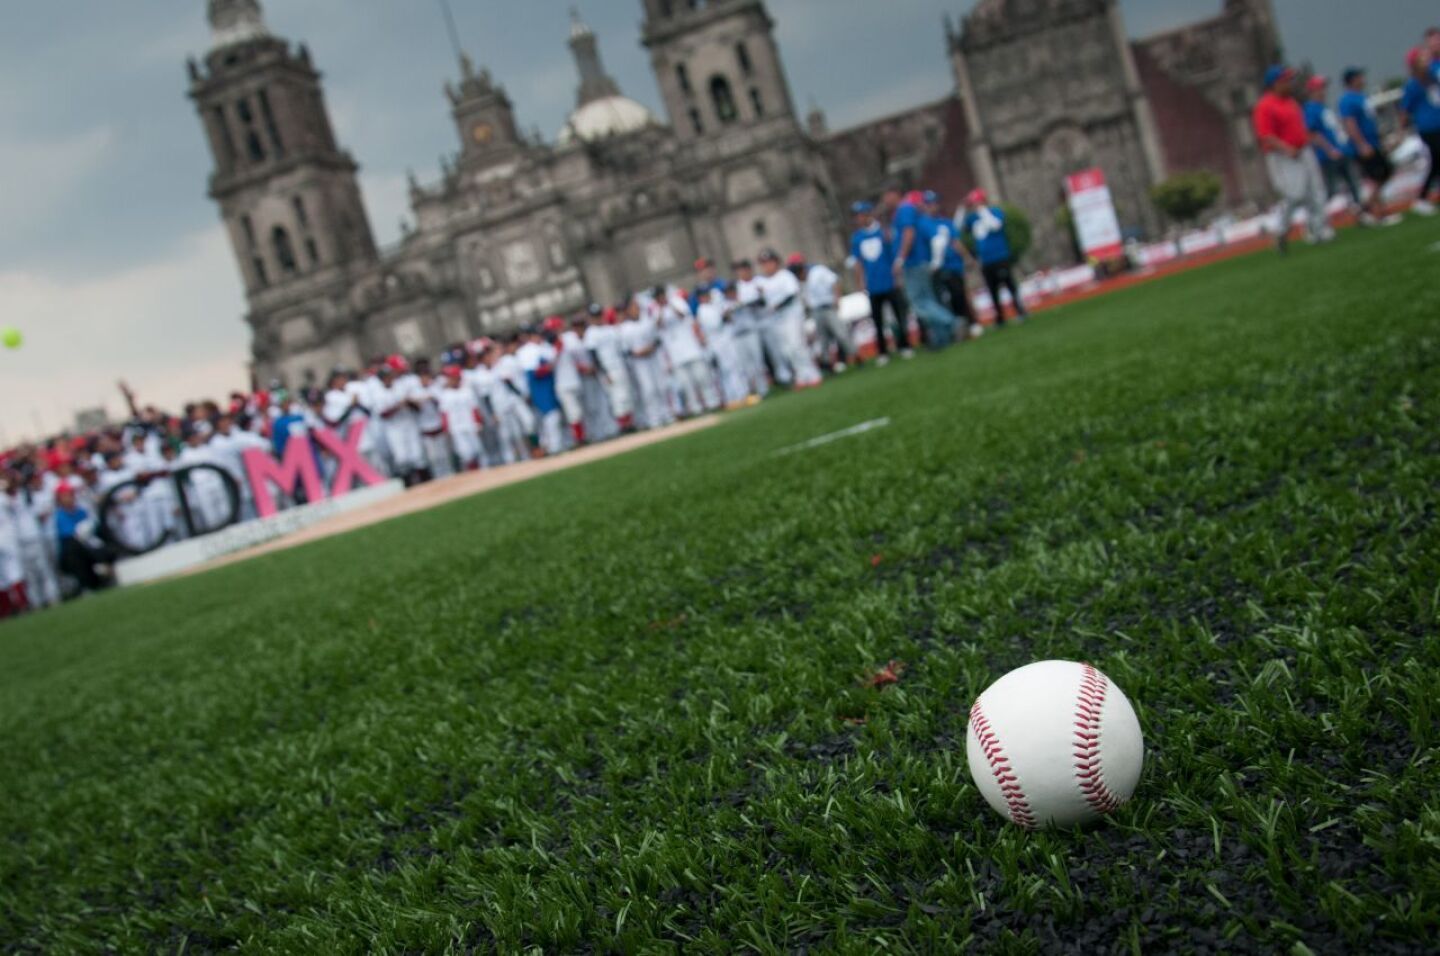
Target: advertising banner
(1093, 211)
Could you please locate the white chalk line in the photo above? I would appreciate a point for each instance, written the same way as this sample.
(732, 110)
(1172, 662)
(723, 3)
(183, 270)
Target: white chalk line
(853, 430)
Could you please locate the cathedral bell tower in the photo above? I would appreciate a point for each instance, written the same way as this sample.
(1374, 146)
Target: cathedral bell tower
(287, 192)
(717, 65)
(484, 117)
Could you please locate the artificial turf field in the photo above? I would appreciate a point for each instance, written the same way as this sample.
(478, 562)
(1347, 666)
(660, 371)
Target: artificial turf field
(621, 708)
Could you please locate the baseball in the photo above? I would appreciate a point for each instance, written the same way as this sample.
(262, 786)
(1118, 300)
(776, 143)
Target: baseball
(1054, 743)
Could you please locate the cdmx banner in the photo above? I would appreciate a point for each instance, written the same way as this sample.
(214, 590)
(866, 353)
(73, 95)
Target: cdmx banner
(207, 498)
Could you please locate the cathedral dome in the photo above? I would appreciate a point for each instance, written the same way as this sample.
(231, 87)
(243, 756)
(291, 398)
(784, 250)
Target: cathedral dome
(605, 117)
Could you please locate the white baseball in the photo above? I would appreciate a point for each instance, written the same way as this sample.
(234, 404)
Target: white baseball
(1054, 743)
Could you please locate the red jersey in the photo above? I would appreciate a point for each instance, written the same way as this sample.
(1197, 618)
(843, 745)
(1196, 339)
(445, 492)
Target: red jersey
(1282, 118)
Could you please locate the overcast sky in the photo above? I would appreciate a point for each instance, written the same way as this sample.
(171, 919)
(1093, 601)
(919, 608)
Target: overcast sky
(112, 261)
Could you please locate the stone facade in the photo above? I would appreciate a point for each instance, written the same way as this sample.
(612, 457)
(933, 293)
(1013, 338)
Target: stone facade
(1044, 88)
(515, 229)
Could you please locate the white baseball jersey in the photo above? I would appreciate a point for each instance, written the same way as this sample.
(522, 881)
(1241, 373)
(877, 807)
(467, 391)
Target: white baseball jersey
(677, 331)
(459, 406)
(820, 285)
(604, 341)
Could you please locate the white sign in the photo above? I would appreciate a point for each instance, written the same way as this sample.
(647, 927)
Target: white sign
(1093, 210)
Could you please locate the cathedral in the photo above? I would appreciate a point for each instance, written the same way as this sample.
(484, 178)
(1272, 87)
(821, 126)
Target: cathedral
(517, 228)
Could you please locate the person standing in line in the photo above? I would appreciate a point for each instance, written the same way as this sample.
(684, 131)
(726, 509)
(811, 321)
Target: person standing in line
(822, 300)
(431, 422)
(871, 256)
(1358, 119)
(984, 224)
(685, 346)
(745, 319)
(477, 377)
(460, 412)
(537, 356)
(41, 584)
(772, 337)
(1420, 108)
(394, 404)
(569, 384)
(950, 285)
(600, 424)
(714, 318)
(1333, 149)
(785, 308)
(640, 334)
(511, 404)
(914, 267)
(602, 338)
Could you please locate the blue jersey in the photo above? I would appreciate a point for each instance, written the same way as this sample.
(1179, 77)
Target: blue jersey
(954, 261)
(67, 523)
(542, 392)
(1355, 105)
(694, 299)
(872, 249)
(1422, 102)
(987, 227)
(909, 216)
(1321, 119)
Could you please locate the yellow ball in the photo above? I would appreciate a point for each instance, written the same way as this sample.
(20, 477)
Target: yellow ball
(12, 338)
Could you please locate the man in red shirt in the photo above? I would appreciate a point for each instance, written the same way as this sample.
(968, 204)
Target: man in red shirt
(1295, 173)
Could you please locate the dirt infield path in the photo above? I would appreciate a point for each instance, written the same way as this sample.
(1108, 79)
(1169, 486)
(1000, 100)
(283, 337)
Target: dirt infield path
(446, 490)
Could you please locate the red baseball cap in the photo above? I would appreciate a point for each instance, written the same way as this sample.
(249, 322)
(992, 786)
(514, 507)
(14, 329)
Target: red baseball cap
(1316, 82)
(977, 197)
(796, 259)
(553, 323)
(452, 371)
(1417, 55)
(915, 197)
(702, 264)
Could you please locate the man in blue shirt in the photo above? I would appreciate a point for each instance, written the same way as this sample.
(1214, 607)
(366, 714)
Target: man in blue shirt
(915, 265)
(1420, 105)
(1332, 147)
(79, 553)
(984, 224)
(1358, 119)
(950, 285)
(872, 256)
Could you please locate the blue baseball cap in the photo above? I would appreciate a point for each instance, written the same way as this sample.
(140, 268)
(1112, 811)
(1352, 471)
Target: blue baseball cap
(931, 196)
(862, 207)
(1351, 72)
(1277, 73)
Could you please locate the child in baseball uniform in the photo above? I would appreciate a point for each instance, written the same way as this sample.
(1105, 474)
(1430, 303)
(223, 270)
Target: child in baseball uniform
(462, 416)
(711, 314)
(438, 463)
(640, 334)
(538, 356)
(685, 346)
(786, 310)
(37, 564)
(570, 358)
(602, 337)
(745, 305)
(396, 406)
(600, 424)
(512, 402)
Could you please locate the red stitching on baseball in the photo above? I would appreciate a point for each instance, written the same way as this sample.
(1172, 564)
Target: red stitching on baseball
(1089, 773)
(1000, 767)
